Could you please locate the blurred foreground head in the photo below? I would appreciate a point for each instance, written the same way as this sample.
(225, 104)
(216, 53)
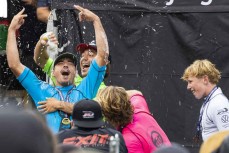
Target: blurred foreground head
(174, 148)
(25, 132)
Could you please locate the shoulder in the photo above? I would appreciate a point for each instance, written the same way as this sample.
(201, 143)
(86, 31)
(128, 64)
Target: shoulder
(218, 100)
(97, 67)
(219, 103)
(131, 93)
(64, 133)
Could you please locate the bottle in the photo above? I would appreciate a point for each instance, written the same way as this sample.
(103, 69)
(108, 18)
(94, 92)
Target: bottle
(51, 45)
(114, 144)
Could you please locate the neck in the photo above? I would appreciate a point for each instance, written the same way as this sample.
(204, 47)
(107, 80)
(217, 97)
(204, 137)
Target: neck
(209, 89)
(65, 84)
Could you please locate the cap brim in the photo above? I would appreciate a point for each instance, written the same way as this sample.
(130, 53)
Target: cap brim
(89, 124)
(82, 47)
(66, 55)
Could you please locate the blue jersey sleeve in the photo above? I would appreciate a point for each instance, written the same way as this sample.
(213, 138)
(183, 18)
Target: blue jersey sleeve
(90, 84)
(35, 87)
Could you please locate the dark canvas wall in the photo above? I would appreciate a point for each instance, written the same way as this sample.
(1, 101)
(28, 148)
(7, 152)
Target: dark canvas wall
(151, 44)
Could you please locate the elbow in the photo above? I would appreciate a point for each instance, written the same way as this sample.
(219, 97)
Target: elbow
(12, 65)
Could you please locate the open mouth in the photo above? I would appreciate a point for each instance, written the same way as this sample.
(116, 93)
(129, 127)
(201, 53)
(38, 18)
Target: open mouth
(85, 66)
(65, 72)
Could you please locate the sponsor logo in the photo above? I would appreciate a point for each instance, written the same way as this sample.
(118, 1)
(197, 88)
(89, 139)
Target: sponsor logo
(156, 139)
(88, 141)
(221, 111)
(225, 118)
(88, 114)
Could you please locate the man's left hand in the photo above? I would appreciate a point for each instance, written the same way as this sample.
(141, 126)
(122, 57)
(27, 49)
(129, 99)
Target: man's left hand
(48, 106)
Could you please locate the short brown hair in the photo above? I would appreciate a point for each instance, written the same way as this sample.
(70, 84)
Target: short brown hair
(199, 68)
(116, 106)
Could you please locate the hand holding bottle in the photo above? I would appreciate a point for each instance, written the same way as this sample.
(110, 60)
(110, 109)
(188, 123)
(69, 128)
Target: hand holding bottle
(48, 39)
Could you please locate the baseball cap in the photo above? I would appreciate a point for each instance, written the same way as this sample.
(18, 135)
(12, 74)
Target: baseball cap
(87, 114)
(66, 55)
(213, 142)
(83, 46)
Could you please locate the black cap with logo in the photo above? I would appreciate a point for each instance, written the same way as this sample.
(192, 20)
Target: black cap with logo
(87, 114)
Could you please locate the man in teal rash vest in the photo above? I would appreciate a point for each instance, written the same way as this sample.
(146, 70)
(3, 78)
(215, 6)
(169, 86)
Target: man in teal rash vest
(64, 71)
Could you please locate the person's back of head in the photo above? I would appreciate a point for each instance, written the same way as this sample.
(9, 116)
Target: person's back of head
(87, 114)
(213, 142)
(67, 148)
(25, 132)
(174, 148)
(116, 106)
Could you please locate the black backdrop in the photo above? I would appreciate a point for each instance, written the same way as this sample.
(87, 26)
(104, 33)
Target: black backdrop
(151, 44)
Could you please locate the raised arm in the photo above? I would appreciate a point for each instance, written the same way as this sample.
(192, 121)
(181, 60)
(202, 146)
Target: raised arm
(100, 35)
(40, 53)
(11, 47)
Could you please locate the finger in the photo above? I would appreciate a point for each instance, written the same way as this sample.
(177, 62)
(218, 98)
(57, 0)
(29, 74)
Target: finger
(52, 35)
(80, 16)
(22, 11)
(42, 110)
(40, 107)
(41, 103)
(44, 42)
(46, 112)
(79, 7)
(23, 16)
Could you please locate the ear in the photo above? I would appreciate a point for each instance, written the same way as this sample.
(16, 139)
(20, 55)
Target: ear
(52, 73)
(205, 79)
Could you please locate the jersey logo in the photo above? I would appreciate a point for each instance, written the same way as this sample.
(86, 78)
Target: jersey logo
(225, 118)
(221, 111)
(88, 141)
(156, 139)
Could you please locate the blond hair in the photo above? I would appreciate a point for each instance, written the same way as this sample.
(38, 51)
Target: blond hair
(200, 68)
(116, 106)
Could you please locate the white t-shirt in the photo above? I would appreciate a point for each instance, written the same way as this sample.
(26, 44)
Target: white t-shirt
(3, 10)
(216, 114)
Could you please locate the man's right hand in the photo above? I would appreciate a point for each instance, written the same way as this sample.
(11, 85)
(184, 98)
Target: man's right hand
(18, 20)
(48, 36)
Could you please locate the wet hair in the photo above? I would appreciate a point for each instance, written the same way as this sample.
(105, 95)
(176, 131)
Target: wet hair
(116, 106)
(200, 68)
